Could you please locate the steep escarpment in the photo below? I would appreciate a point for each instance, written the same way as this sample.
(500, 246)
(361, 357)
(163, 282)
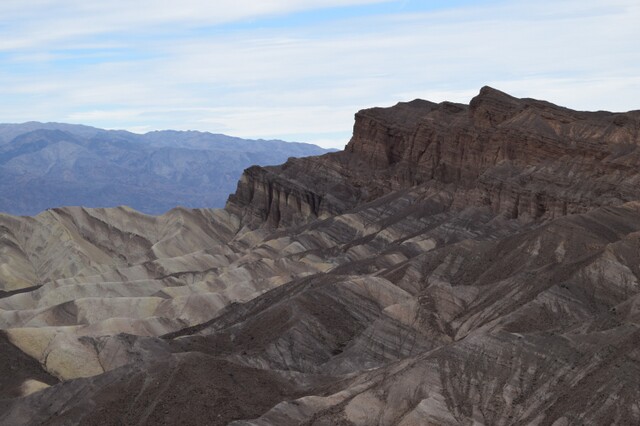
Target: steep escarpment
(264, 197)
(457, 144)
(520, 157)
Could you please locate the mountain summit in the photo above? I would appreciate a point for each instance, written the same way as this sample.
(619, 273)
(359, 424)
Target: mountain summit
(455, 264)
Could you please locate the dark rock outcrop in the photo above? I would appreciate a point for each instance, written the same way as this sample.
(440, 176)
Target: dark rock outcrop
(520, 157)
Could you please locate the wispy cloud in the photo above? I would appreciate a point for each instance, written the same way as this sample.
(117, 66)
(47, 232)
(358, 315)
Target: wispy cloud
(228, 66)
(37, 22)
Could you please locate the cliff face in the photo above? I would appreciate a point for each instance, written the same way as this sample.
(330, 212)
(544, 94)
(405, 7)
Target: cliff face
(523, 158)
(298, 191)
(266, 197)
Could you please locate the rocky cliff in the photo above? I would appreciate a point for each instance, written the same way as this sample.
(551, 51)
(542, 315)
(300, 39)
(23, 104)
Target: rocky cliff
(520, 157)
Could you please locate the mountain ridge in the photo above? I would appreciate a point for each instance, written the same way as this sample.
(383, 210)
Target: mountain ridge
(391, 156)
(53, 164)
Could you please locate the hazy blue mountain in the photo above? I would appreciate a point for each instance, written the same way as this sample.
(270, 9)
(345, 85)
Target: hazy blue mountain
(45, 165)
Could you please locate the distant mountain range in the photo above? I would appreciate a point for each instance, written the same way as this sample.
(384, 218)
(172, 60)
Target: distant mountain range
(46, 165)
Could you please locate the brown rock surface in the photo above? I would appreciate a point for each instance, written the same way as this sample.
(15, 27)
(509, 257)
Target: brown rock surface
(522, 157)
(455, 265)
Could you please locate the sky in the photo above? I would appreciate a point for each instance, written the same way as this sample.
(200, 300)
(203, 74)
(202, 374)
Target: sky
(299, 70)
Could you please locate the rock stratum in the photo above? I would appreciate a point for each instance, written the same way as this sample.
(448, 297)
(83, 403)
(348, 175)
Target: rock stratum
(454, 265)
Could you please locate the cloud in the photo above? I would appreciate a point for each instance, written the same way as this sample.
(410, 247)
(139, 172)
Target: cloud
(33, 23)
(181, 69)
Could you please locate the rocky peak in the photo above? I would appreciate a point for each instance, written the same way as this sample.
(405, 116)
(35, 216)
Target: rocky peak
(379, 133)
(492, 107)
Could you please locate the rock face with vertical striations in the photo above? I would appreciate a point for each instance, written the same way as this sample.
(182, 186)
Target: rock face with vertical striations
(522, 157)
(454, 265)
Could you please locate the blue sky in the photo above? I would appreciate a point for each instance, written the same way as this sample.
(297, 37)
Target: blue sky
(299, 70)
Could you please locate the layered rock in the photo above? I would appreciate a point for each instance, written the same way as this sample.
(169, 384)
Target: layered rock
(522, 157)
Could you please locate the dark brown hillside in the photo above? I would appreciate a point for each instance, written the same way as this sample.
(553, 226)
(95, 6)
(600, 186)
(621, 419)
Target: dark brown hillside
(522, 157)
